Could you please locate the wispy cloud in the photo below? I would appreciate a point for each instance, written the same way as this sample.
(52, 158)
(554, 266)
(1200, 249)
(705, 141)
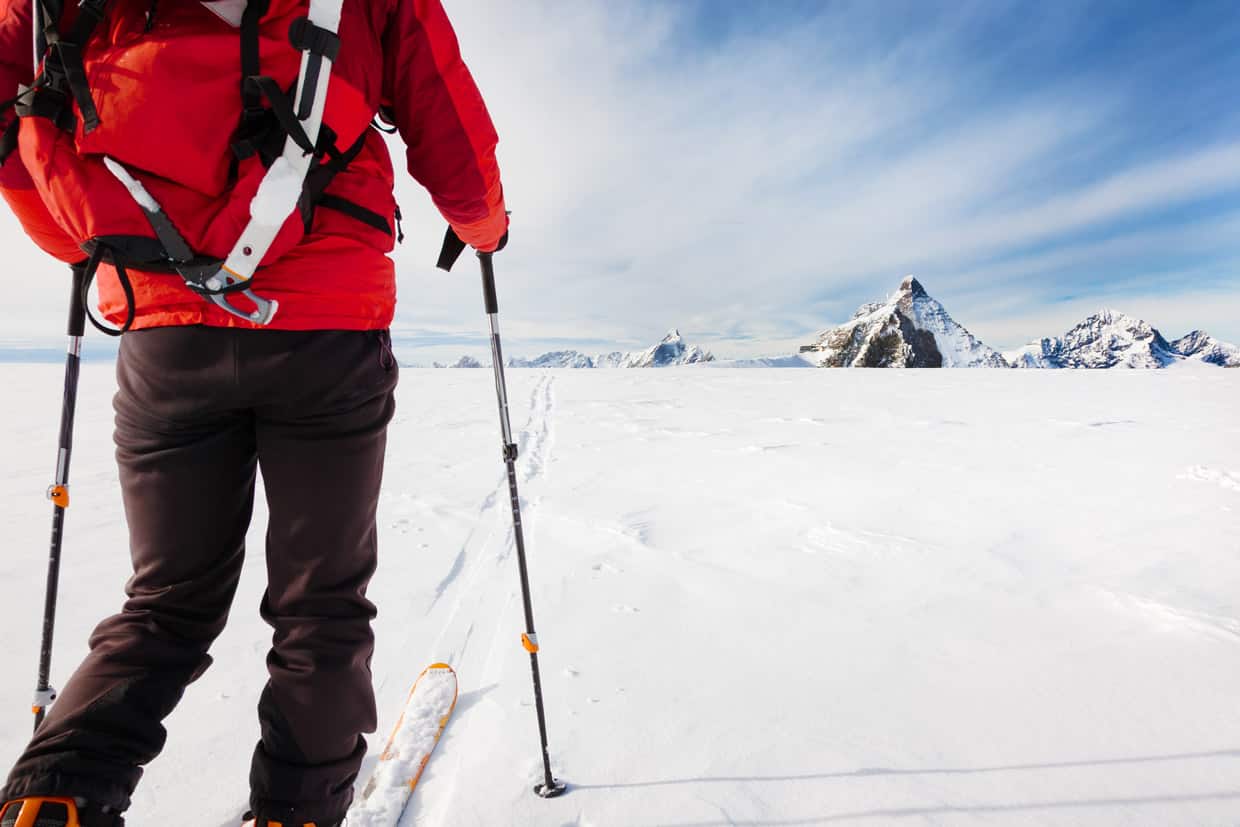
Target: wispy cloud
(752, 172)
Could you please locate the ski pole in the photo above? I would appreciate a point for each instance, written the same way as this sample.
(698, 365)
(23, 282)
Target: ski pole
(58, 492)
(550, 788)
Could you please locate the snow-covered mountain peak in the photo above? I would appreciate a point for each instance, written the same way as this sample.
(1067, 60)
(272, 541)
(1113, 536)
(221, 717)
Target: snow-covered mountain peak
(1106, 339)
(667, 353)
(913, 287)
(910, 329)
(1203, 347)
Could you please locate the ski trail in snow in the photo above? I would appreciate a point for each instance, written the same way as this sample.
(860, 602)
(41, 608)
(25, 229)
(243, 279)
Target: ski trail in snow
(483, 624)
(466, 567)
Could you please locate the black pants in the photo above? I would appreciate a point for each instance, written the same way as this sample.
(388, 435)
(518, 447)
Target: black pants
(198, 411)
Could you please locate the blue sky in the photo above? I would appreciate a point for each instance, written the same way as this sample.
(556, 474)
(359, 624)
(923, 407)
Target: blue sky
(750, 172)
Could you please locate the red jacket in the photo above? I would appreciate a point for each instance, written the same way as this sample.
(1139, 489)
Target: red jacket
(169, 105)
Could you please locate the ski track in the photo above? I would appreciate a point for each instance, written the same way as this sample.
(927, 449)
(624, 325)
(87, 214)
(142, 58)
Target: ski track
(483, 586)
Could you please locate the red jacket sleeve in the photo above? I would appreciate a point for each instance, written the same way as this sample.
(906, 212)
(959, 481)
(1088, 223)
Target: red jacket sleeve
(443, 121)
(17, 67)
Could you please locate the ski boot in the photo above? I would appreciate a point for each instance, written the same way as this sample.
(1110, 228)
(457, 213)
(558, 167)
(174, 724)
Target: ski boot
(40, 811)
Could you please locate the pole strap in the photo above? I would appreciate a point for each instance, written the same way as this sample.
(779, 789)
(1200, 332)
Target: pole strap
(530, 642)
(451, 250)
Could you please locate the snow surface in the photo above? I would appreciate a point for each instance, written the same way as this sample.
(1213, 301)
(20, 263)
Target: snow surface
(763, 597)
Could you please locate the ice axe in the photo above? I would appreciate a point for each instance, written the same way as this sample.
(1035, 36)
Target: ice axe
(452, 249)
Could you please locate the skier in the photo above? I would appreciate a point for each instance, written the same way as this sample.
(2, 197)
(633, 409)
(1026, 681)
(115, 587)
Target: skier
(148, 149)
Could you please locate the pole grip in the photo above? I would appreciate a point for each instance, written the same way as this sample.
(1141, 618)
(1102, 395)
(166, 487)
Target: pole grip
(77, 301)
(488, 283)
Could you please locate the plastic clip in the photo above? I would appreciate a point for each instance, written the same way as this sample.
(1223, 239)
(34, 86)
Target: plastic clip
(59, 494)
(42, 699)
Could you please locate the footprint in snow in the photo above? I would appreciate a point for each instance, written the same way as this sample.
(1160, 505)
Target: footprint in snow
(622, 609)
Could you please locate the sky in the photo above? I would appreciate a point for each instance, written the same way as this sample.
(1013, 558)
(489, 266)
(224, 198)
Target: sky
(751, 172)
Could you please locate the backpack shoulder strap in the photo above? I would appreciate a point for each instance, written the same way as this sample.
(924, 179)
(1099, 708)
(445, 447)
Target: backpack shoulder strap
(281, 188)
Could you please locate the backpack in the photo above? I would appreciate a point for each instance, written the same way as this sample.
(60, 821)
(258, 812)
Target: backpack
(283, 157)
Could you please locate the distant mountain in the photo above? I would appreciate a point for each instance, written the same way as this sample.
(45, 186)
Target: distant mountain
(1201, 345)
(667, 353)
(554, 359)
(463, 362)
(1111, 339)
(671, 351)
(908, 330)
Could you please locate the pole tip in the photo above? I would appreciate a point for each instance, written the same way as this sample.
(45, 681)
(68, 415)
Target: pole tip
(553, 790)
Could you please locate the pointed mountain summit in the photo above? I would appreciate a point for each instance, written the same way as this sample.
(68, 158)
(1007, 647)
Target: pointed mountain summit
(908, 330)
(667, 353)
(1107, 339)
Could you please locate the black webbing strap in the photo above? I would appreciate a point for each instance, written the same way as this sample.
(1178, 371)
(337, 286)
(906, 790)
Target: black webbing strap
(451, 250)
(68, 52)
(282, 108)
(255, 125)
(75, 75)
(314, 190)
(453, 247)
(97, 255)
(64, 73)
(354, 210)
(8, 141)
(50, 12)
(319, 43)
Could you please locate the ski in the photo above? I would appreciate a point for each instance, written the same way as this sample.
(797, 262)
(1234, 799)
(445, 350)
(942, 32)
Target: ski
(408, 749)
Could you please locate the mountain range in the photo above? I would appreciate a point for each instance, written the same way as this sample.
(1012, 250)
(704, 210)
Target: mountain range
(667, 353)
(912, 329)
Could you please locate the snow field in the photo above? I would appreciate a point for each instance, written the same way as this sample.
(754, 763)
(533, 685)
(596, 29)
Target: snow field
(763, 597)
